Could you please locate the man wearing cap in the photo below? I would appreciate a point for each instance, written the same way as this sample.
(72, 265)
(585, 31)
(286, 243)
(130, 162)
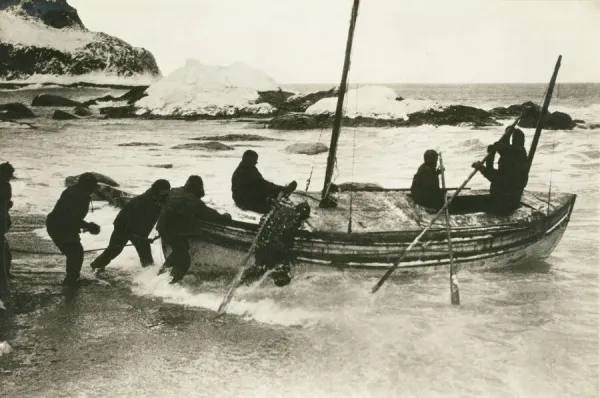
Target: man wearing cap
(275, 246)
(425, 188)
(134, 223)
(178, 222)
(250, 191)
(6, 174)
(66, 220)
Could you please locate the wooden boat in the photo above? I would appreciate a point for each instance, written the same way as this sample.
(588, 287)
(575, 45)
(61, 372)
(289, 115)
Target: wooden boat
(384, 223)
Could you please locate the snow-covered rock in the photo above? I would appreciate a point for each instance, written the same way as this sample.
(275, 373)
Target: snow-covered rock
(372, 102)
(206, 90)
(46, 37)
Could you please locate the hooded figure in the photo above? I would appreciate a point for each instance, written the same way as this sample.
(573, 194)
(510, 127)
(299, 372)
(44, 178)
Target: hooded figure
(250, 191)
(178, 222)
(6, 174)
(134, 223)
(425, 188)
(275, 246)
(66, 220)
(509, 180)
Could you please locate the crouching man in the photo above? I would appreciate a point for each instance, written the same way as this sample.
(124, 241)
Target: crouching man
(275, 246)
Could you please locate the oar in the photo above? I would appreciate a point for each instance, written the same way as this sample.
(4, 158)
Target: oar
(454, 292)
(242, 267)
(435, 218)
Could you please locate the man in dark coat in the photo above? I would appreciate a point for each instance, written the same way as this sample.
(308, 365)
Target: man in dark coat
(250, 191)
(66, 220)
(178, 222)
(509, 180)
(425, 188)
(134, 223)
(6, 174)
(275, 246)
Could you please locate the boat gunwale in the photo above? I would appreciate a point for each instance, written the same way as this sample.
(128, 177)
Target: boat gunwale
(386, 237)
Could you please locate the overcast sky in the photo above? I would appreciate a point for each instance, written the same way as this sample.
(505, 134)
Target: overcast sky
(416, 41)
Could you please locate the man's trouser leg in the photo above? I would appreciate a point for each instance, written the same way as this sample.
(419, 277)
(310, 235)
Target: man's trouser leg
(5, 258)
(179, 259)
(74, 253)
(117, 243)
(144, 251)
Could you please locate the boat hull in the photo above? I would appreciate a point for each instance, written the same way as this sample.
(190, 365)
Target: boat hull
(221, 248)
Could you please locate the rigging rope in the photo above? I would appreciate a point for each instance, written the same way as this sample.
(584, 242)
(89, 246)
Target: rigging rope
(313, 166)
(353, 163)
(552, 158)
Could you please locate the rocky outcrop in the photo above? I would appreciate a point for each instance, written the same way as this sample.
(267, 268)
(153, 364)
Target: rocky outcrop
(61, 115)
(212, 146)
(53, 100)
(162, 166)
(14, 110)
(52, 21)
(307, 148)
(530, 114)
(100, 177)
(57, 14)
(453, 115)
(133, 95)
(286, 101)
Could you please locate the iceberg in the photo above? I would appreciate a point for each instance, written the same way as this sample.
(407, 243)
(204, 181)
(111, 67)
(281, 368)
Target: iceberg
(375, 102)
(207, 90)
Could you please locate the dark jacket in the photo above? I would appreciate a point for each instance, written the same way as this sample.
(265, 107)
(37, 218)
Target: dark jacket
(425, 188)
(509, 180)
(139, 215)
(250, 191)
(67, 218)
(5, 205)
(181, 214)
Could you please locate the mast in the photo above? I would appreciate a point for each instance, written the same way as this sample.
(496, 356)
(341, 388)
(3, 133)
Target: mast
(337, 121)
(538, 127)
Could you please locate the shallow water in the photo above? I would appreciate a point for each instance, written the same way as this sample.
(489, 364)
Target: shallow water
(518, 332)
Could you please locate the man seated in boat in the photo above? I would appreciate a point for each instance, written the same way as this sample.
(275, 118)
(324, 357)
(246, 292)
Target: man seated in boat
(425, 188)
(510, 178)
(275, 246)
(250, 191)
(177, 224)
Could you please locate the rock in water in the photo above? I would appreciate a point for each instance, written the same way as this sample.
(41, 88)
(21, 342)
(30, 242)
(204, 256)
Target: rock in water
(235, 137)
(207, 146)
(452, 115)
(14, 110)
(82, 111)
(300, 121)
(307, 148)
(118, 112)
(100, 177)
(60, 115)
(48, 37)
(53, 100)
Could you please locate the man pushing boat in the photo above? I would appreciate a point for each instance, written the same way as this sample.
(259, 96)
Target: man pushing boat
(134, 223)
(177, 224)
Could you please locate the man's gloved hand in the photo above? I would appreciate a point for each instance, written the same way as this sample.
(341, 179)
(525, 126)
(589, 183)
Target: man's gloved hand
(478, 166)
(93, 228)
(10, 204)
